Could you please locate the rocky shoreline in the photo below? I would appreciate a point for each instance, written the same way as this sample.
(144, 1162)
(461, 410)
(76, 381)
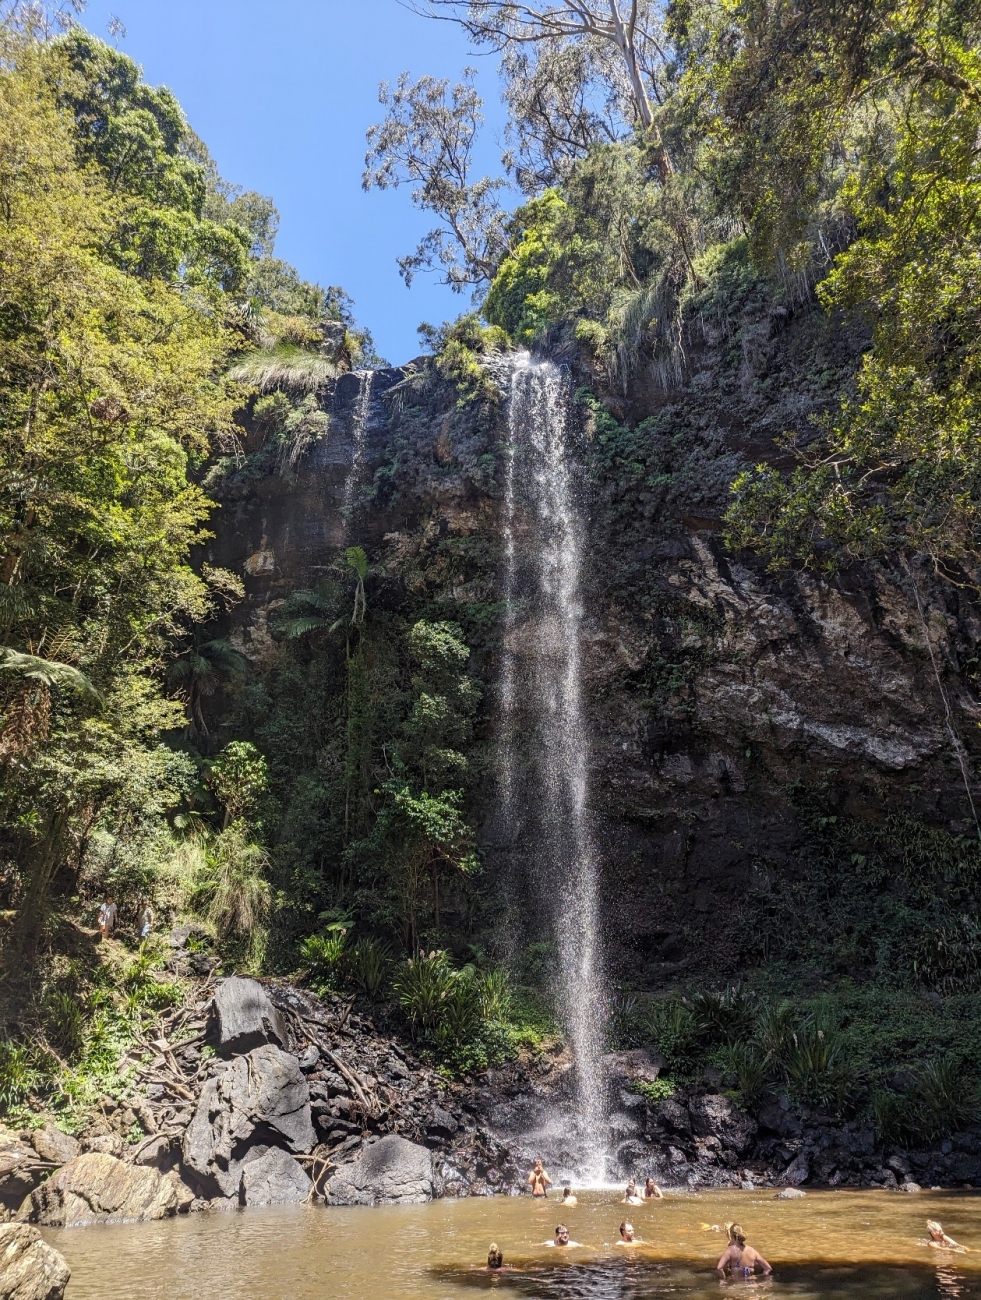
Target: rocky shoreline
(261, 1093)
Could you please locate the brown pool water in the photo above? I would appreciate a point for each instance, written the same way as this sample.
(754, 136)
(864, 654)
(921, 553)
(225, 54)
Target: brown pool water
(831, 1244)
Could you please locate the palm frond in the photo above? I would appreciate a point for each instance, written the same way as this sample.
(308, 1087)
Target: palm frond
(294, 627)
(48, 672)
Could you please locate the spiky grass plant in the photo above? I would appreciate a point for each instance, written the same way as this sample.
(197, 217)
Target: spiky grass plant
(284, 367)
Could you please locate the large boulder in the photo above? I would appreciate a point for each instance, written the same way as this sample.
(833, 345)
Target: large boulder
(30, 1269)
(638, 1065)
(98, 1188)
(392, 1169)
(274, 1178)
(53, 1146)
(265, 1090)
(246, 1017)
(20, 1169)
(715, 1116)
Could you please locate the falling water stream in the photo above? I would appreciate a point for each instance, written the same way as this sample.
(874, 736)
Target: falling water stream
(359, 435)
(542, 649)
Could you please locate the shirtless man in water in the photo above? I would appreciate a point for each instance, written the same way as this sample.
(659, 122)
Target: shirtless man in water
(740, 1260)
(627, 1237)
(561, 1237)
(538, 1180)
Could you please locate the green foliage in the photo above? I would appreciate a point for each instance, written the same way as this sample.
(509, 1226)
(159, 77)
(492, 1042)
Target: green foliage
(239, 776)
(233, 890)
(726, 1017)
(18, 1075)
(816, 1067)
(459, 347)
(323, 955)
(458, 1013)
(657, 1090)
(369, 965)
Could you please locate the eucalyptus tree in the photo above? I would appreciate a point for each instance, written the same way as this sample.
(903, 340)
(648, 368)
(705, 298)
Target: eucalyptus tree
(427, 141)
(631, 31)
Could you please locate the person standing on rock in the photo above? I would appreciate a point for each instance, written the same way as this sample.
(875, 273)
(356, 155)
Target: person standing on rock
(107, 916)
(738, 1259)
(538, 1180)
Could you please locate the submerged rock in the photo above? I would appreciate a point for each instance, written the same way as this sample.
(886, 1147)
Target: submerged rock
(789, 1194)
(246, 1017)
(98, 1188)
(30, 1269)
(390, 1170)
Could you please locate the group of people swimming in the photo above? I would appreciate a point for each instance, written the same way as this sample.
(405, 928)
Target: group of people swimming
(739, 1260)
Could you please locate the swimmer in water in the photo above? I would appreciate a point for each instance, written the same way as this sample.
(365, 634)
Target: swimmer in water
(939, 1240)
(568, 1197)
(538, 1180)
(495, 1258)
(627, 1237)
(652, 1192)
(631, 1196)
(561, 1237)
(740, 1260)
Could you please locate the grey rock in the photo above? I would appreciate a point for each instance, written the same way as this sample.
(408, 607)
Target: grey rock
(18, 1169)
(798, 1171)
(715, 1116)
(309, 1057)
(910, 1187)
(635, 1066)
(104, 1144)
(266, 1087)
(443, 1122)
(245, 1015)
(746, 1185)
(789, 1194)
(274, 1179)
(54, 1146)
(674, 1115)
(30, 1269)
(392, 1169)
(98, 1188)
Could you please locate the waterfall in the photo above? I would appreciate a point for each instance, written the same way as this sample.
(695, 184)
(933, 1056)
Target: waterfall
(359, 435)
(542, 699)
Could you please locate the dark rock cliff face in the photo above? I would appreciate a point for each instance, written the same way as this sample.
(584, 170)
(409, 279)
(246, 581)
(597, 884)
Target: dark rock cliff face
(722, 697)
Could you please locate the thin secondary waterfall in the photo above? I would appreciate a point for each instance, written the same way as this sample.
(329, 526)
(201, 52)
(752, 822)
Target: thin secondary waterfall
(359, 435)
(543, 653)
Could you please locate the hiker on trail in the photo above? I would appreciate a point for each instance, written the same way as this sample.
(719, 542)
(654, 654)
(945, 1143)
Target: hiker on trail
(107, 917)
(146, 921)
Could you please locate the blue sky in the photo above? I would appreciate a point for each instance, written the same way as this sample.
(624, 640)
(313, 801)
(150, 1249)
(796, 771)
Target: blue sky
(282, 94)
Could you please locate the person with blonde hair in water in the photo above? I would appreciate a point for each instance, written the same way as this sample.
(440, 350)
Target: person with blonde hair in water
(938, 1239)
(631, 1196)
(740, 1260)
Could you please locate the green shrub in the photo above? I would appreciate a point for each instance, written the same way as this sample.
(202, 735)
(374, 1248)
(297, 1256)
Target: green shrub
(657, 1090)
(369, 964)
(750, 1067)
(322, 955)
(671, 1029)
(726, 1017)
(421, 987)
(18, 1075)
(946, 1097)
(816, 1067)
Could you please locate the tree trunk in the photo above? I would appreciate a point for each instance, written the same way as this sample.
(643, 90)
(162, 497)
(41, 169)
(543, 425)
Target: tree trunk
(34, 902)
